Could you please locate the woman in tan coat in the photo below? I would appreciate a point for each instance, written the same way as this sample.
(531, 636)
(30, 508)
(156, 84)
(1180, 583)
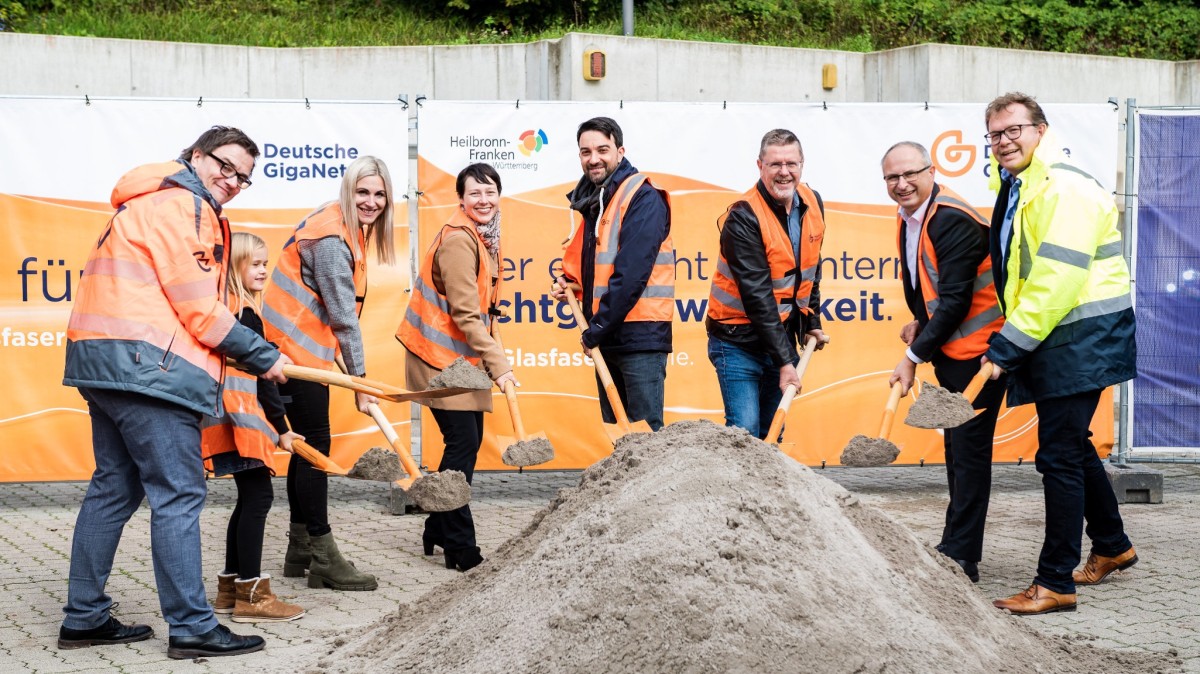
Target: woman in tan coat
(450, 315)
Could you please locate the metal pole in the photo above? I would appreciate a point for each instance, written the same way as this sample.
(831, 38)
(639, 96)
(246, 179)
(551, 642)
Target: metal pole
(1124, 442)
(627, 18)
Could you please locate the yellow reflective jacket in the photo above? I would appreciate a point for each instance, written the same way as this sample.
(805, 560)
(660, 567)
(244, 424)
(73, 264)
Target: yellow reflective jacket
(1064, 286)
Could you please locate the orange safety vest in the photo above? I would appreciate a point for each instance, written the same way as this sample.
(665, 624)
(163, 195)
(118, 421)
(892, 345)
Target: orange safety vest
(725, 300)
(243, 428)
(657, 302)
(293, 314)
(428, 329)
(985, 316)
(141, 321)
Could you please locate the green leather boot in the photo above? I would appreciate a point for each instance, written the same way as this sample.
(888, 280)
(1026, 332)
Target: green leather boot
(330, 569)
(299, 552)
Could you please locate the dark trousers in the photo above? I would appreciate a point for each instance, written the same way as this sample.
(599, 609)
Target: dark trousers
(1076, 488)
(244, 536)
(307, 406)
(640, 378)
(968, 460)
(462, 431)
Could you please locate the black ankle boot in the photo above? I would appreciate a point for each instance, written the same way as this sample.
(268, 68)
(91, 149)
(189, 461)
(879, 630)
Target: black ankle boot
(464, 559)
(429, 544)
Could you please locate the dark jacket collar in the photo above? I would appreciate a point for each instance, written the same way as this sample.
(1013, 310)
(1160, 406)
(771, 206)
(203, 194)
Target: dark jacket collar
(585, 198)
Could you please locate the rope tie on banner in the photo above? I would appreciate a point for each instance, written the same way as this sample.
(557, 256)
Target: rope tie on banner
(86, 100)
(307, 106)
(420, 97)
(926, 105)
(518, 104)
(403, 101)
(824, 105)
(1113, 102)
(622, 104)
(724, 105)
(200, 102)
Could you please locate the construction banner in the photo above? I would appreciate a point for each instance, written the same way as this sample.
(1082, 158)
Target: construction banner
(704, 154)
(59, 160)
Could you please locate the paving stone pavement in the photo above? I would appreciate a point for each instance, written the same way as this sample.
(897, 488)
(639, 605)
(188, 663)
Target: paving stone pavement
(1154, 606)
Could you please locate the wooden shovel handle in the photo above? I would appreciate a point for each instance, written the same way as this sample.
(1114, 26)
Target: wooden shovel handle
(316, 458)
(610, 389)
(789, 392)
(977, 383)
(889, 412)
(510, 394)
(406, 459)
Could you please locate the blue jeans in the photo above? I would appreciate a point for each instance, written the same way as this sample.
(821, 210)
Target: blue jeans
(639, 377)
(144, 448)
(749, 386)
(1076, 489)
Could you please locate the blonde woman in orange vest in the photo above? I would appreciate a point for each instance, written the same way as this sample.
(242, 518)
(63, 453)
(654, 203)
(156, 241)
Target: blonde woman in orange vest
(311, 311)
(450, 315)
(242, 443)
(947, 275)
(766, 290)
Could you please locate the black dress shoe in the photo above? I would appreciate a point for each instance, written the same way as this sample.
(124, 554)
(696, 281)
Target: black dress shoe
(463, 560)
(213, 643)
(111, 632)
(969, 568)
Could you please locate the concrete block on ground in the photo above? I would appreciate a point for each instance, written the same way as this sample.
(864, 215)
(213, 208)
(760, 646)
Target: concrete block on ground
(399, 503)
(1135, 484)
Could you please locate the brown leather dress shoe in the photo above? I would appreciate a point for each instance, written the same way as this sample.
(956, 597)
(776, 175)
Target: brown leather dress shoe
(1037, 600)
(1098, 567)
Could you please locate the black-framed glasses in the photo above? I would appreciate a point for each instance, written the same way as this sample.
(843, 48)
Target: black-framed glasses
(1012, 133)
(908, 176)
(229, 171)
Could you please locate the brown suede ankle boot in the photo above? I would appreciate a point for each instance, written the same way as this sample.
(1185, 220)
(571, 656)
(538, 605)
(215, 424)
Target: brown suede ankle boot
(257, 604)
(225, 593)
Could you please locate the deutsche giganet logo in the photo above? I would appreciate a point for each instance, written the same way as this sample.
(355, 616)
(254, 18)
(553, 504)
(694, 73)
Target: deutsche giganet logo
(951, 155)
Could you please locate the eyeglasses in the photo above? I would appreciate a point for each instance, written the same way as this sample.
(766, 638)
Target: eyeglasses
(1012, 133)
(791, 166)
(229, 171)
(908, 176)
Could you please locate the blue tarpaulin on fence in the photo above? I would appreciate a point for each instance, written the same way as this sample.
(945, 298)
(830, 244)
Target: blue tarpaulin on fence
(1166, 393)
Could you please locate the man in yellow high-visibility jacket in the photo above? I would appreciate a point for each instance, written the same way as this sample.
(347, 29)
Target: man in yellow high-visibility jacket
(1068, 334)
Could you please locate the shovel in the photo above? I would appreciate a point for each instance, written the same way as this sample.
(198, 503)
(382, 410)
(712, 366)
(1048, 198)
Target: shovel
(863, 451)
(327, 465)
(789, 392)
(623, 426)
(437, 492)
(527, 449)
(378, 389)
(938, 408)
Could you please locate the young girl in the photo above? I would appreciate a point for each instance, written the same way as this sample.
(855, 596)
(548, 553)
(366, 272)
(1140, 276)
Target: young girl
(243, 443)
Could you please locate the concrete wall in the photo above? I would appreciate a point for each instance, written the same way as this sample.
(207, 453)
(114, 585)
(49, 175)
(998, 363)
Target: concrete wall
(638, 69)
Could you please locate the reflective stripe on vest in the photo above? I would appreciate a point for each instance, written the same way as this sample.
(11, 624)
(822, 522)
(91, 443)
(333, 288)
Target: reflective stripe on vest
(657, 301)
(294, 317)
(725, 300)
(428, 329)
(985, 316)
(243, 428)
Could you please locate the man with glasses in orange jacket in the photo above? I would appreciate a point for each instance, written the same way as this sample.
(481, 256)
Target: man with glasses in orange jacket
(146, 347)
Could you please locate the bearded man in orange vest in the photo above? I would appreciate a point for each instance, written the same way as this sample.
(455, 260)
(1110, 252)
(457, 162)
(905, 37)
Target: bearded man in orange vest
(146, 347)
(947, 277)
(622, 258)
(766, 289)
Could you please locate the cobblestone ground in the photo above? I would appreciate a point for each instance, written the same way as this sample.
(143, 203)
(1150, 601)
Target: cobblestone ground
(1155, 606)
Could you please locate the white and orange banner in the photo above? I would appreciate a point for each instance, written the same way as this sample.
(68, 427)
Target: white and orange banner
(705, 155)
(59, 160)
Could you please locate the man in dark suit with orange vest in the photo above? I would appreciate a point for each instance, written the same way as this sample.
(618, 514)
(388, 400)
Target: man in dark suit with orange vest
(622, 257)
(947, 277)
(766, 289)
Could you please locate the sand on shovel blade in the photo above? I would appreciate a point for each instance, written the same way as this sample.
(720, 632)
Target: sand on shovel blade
(531, 452)
(938, 408)
(865, 452)
(461, 374)
(702, 549)
(379, 464)
(440, 492)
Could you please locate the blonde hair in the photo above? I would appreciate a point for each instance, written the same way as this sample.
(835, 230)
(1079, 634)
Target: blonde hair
(242, 247)
(381, 229)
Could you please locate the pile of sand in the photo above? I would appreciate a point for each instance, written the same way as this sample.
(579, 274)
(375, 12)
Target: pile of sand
(440, 492)
(461, 374)
(701, 549)
(938, 408)
(379, 464)
(865, 452)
